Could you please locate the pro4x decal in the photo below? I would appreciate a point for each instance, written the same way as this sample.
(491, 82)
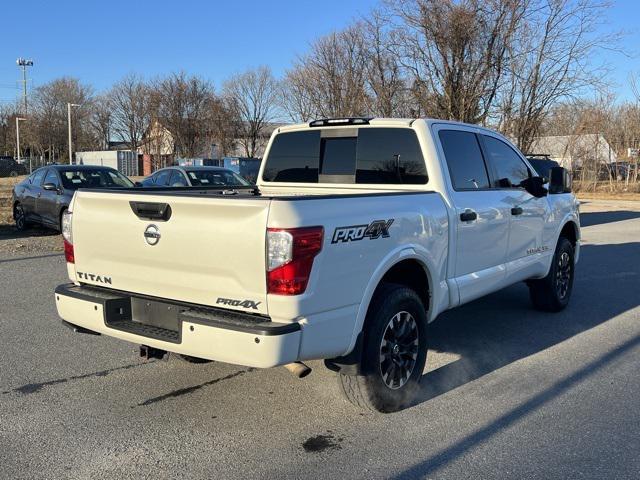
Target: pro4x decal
(353, 233)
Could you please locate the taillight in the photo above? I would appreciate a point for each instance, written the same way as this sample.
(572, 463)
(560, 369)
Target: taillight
(290, 254)
(68, 237)
(68, 252)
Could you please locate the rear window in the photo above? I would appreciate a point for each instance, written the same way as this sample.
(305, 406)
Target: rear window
(294, 157)
(74, 179)
(350, 155)
(216, 177)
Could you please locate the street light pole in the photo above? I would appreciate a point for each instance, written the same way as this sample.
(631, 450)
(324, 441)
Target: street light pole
(18, 120)
(24, 63)
(69, 105)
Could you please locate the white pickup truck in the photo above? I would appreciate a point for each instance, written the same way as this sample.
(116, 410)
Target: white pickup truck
(358, 234)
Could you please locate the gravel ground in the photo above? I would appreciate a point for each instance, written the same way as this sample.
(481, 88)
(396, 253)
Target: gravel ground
(33, 240)
(508, 392)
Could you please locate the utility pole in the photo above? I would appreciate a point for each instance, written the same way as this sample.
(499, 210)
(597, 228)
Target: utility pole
(21, 62)
(18, 120)
(69, 105)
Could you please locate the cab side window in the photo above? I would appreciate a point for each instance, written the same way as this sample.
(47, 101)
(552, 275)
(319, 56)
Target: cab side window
(37, 177)
(163, 178)
(51, 177)
(464, 159)
(510, 170)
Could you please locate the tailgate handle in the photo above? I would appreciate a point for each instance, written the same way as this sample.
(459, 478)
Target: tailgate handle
(151, 211)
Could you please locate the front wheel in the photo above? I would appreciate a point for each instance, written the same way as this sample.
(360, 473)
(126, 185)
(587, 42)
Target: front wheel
(552, 293)
(394, 352)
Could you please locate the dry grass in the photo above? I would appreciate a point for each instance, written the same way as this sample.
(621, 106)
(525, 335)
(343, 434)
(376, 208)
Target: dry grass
(6, 186)
(607, 191)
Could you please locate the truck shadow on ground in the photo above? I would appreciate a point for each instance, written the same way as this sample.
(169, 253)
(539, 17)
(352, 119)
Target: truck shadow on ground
(588, 219)
(10, 232)
(502, 328)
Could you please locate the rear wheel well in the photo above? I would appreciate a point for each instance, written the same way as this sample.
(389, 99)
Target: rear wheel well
(570, 232)
(409, 273)
(412, 274)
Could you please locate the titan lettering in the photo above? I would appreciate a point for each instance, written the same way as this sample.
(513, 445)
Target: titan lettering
(353, 233)
(238, 303)
(94, 278)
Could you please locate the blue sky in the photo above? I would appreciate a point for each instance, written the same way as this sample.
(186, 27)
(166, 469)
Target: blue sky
(100, 41)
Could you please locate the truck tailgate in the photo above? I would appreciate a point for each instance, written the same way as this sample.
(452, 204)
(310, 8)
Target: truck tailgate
(210, 251)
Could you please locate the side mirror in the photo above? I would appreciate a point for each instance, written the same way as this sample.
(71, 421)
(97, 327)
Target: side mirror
(137, 184)
(50, 186)
(559, 180)
(535, 186)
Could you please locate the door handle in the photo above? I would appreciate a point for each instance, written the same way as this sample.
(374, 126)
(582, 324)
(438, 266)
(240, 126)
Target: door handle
(468, 216)
(39, 194)
(516, 211)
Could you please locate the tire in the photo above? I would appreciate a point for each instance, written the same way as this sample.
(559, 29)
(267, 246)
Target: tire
(13, 173)
(190, 359)
(552, 293)
(394, 352)
(20, 218)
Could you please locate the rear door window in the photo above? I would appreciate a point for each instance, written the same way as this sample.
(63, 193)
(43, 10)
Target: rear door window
(464, 160)
(177, 179)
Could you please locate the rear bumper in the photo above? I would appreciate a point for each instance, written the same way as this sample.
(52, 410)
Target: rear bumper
(214, 334)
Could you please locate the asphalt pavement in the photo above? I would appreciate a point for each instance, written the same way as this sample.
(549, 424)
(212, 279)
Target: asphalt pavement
(508, 392)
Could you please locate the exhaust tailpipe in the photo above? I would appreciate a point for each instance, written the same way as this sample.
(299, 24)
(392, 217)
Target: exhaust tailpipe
(299, 369)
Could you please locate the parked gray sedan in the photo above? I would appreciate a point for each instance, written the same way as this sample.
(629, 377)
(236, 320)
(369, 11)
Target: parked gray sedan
(43, 196)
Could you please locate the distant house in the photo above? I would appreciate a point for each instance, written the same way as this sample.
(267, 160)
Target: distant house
(160, 142)
(263, 140)
(572, 151)
(157, 140)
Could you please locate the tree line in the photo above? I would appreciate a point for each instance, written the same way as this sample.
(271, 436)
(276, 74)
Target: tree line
(524, 67)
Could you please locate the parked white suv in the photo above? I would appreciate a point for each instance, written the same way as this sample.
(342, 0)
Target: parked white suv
(359, 233)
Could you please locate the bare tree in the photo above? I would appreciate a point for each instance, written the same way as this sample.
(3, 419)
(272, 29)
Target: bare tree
(46, 129)
(297, 96)
(185, 106)
(8, 114)
(455, 52)
(329, 81)
(130, 110)
(100, 121)
(551, 61)
(389, 95)
(253, 97)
